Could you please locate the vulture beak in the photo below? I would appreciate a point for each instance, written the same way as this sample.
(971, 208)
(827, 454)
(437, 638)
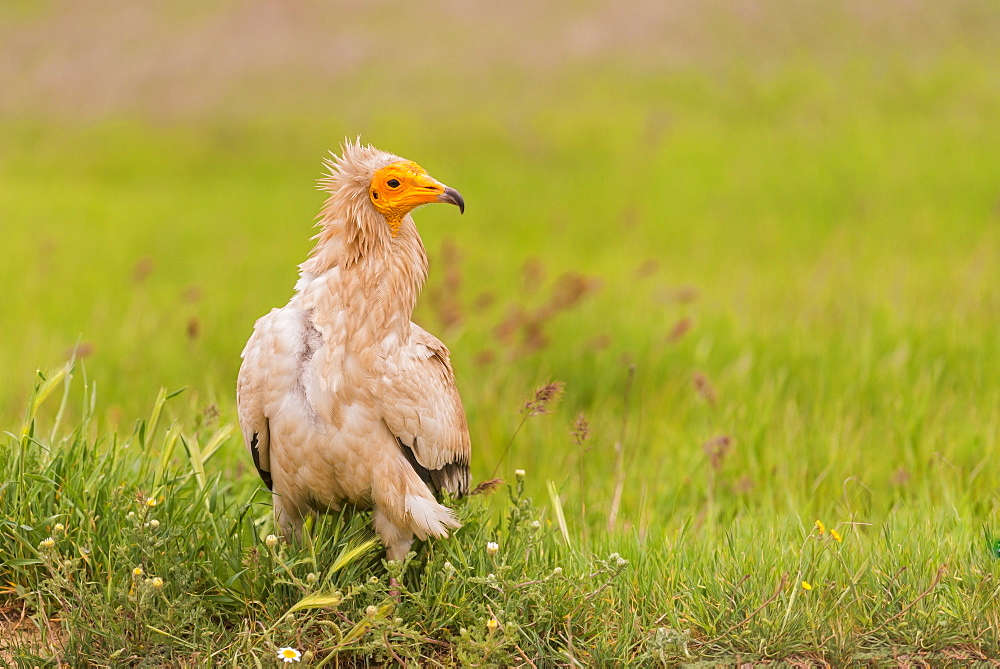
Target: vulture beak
(452, 196)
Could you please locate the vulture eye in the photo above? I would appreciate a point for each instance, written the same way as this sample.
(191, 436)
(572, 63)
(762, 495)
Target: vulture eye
(392, 183)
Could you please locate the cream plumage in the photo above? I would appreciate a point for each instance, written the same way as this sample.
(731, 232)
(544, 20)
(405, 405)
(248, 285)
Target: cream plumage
(341, 398)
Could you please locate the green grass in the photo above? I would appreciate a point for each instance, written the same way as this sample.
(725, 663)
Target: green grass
(770, 288)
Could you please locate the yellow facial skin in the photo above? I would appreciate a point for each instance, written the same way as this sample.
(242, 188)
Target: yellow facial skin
(398, 188)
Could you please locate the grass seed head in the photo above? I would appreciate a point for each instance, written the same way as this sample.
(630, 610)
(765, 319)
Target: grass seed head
(486, 487)
(704, 388)
(581, 430)
(545, 397)
(716, 449)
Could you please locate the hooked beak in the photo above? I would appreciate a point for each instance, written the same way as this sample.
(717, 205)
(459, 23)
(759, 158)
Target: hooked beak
(452, 196)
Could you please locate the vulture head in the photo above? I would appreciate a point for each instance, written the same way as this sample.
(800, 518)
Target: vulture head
(372, 187)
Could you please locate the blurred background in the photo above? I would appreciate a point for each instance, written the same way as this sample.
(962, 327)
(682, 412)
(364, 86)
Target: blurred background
(782, 216)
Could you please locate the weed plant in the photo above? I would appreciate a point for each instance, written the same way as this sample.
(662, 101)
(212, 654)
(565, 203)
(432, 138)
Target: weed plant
(124, 549)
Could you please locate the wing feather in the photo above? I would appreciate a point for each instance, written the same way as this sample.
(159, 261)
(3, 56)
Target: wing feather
(421, 405)
(270, 366)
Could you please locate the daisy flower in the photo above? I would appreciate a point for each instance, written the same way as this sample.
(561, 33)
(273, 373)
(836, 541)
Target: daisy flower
(289, 654)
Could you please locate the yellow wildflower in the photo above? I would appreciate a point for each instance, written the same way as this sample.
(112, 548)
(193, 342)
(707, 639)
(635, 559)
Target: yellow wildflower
(137, 572)
(836, 535)
(806, 586)
(151, 502)
(492, 624)
(48, 542)
(820, 527)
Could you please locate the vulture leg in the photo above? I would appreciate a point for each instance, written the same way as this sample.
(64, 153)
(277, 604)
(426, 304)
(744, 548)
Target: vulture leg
(288, 517)
(397, 542)
(396, 538)
(404, 506)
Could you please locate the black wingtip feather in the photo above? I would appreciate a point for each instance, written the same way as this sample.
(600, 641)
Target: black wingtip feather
(422, 472)
(255, 453)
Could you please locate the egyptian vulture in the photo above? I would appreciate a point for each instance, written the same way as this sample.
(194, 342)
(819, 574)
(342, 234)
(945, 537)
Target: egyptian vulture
(342, 399)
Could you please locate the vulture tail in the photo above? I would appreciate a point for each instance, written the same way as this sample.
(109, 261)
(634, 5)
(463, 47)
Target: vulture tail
(430, 519)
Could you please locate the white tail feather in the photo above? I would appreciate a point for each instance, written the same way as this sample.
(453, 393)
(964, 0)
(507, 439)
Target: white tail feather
(430, 519)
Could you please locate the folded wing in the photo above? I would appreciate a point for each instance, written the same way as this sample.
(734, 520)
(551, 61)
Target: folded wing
(421, 405)
(271, 365)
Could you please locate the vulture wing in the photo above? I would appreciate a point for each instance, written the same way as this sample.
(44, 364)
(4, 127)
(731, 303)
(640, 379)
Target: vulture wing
(420, 404)
(270, 366)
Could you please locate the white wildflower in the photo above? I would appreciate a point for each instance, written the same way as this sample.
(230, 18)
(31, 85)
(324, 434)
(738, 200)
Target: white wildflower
(289, 654)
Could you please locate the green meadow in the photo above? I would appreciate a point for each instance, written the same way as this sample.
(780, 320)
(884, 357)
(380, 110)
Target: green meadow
(767, 270)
